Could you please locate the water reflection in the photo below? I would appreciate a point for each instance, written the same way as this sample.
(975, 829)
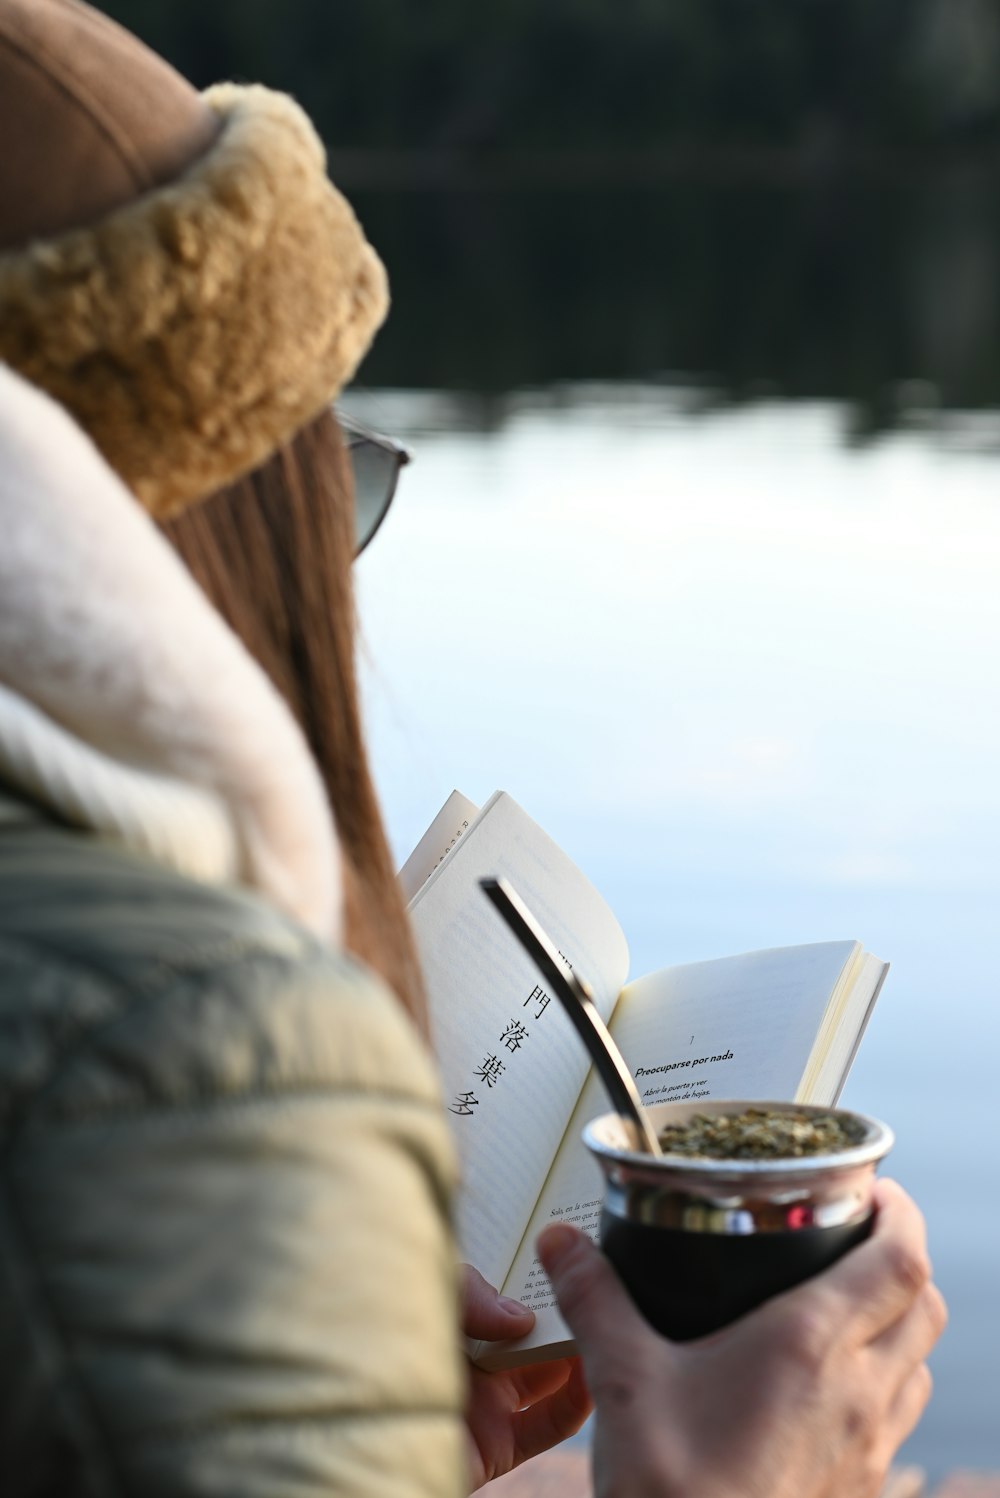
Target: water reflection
(878, 294)
(657, 406)
(746, 675)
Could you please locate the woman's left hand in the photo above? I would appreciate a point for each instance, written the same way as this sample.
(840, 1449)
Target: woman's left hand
(515, 1413)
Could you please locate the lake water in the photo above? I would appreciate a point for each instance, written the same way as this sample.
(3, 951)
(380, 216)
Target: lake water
(747, 676)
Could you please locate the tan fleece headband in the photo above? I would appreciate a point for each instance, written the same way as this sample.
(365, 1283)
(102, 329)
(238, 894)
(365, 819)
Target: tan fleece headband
(193, 331)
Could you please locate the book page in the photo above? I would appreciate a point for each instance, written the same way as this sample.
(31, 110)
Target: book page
(452, 822)
(845, 1024)
(512, 1065)
(738, 1027)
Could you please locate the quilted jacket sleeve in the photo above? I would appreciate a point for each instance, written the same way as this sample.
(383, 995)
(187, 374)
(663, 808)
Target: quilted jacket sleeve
(226, 1269)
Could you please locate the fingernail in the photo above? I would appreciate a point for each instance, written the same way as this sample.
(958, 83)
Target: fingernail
(512, 1307)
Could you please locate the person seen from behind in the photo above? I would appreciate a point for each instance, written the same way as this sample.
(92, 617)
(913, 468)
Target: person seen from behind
(226, 1257)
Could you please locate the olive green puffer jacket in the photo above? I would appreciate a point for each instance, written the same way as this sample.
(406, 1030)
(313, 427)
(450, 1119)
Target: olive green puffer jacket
(225, 1260)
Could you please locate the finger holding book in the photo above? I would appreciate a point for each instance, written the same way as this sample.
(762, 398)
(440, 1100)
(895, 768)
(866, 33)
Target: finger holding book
(517, 1413)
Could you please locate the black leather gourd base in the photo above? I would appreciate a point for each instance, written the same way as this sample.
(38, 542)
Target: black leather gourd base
(688, 1284)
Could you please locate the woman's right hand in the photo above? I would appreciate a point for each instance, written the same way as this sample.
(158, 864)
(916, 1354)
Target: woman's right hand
(807, 1397)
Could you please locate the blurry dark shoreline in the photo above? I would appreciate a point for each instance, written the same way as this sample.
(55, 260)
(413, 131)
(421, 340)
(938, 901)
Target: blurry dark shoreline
(871, 280)
(814, 166)
(784, 197)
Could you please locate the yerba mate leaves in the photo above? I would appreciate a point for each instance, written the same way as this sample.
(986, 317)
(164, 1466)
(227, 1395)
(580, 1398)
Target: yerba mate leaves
(760, 1134)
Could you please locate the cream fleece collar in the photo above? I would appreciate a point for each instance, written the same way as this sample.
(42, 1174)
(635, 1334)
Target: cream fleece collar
(127, 705)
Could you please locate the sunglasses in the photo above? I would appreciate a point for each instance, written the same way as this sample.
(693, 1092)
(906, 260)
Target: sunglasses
(376, 462)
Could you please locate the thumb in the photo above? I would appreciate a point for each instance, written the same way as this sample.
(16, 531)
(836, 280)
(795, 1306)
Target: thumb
(594, 1303)
(488, 1315)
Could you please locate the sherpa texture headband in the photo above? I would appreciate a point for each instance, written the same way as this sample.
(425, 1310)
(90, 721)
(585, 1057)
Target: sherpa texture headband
(193, 331)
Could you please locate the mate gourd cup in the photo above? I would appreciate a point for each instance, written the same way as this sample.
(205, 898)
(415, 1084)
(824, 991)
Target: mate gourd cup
(698, 1242)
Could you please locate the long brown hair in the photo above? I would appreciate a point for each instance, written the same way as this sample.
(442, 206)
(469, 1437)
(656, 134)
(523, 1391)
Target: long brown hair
(273, 552)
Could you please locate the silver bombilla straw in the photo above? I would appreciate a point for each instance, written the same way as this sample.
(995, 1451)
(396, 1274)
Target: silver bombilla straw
(578, 1002)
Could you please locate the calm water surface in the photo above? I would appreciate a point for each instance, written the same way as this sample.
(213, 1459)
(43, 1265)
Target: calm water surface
(747, 676)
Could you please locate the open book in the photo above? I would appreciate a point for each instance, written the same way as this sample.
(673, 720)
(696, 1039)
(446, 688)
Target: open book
(779, 1024)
